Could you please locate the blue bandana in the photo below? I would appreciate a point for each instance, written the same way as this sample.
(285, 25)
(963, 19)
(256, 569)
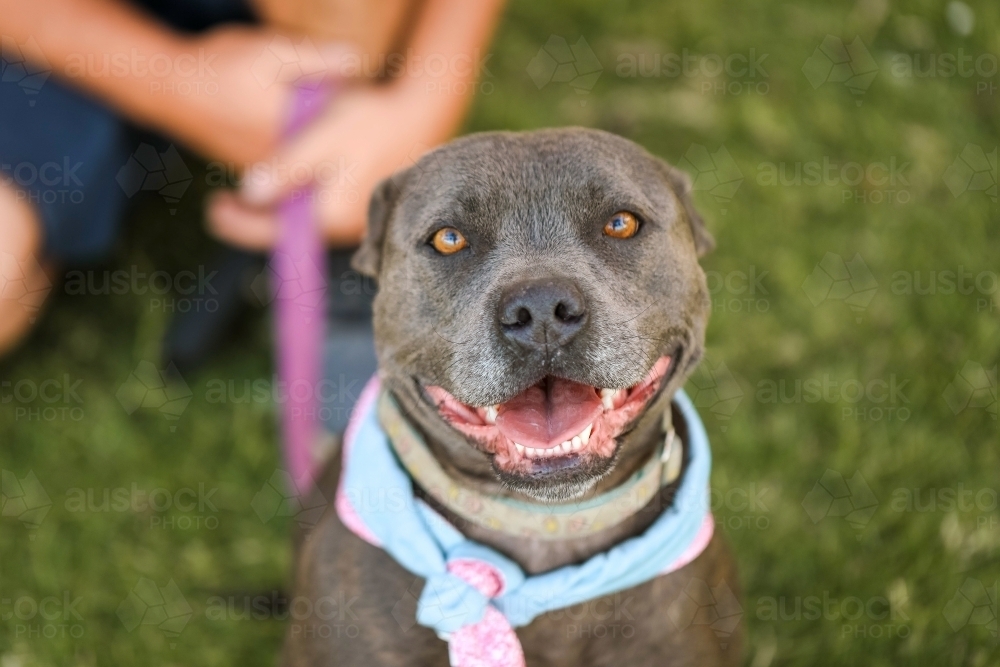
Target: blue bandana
(473, 594)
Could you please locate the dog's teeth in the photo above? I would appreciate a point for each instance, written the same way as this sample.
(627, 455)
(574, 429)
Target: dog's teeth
(566, 447)
(585, 436)
(577, 442)
(491, 414)
(520, 448)
(553, 451)
(531, 451)
(608, 398)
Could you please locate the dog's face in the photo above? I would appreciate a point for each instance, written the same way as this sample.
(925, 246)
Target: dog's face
(539, 293)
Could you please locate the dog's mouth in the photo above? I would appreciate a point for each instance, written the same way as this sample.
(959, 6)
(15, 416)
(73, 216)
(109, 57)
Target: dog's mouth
(554, 424)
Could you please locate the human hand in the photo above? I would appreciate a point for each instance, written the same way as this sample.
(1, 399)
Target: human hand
(231, 106)
(366, 134)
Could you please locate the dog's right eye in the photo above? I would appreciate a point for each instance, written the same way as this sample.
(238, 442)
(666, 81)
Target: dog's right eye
(622, 225)
(448, 241)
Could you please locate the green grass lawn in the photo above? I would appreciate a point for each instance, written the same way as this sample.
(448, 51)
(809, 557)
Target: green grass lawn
(850, 386)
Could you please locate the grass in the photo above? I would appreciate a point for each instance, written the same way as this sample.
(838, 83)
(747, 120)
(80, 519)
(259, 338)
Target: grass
(884, 364)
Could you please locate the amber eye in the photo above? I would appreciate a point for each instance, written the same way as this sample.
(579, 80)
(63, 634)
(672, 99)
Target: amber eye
(622, 225)
(448, 241)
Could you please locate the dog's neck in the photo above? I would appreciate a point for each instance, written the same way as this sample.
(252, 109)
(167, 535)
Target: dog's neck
(536, 555)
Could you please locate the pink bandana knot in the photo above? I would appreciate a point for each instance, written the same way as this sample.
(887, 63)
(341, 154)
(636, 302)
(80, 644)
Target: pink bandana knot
(458, 604)
(491, 642)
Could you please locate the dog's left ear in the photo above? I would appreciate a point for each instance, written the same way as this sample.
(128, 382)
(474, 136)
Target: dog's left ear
(680, 183)
(368, 257)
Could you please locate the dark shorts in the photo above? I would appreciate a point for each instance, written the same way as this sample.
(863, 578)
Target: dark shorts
(68, 154)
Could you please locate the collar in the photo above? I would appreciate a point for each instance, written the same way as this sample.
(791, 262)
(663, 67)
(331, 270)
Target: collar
(534, 520)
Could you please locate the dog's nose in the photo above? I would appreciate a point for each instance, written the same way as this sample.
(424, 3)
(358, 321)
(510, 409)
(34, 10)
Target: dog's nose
(542, 313)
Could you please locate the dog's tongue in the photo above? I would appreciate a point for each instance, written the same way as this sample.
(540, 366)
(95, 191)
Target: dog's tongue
(548, 413)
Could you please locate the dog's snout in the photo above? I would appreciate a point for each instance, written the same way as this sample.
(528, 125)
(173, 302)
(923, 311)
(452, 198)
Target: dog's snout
(541, 313)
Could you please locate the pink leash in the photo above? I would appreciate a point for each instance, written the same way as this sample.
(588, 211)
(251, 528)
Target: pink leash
(299, 262)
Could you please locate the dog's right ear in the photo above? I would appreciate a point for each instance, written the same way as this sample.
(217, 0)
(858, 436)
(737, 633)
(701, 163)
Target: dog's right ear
(368, 257)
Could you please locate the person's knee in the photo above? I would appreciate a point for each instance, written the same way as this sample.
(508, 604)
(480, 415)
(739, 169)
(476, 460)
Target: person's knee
(24, 280)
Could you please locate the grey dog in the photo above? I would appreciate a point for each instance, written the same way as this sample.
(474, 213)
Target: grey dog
(512, 265)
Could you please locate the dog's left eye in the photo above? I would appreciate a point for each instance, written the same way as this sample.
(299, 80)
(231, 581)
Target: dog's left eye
(622, 225)
(448, 241)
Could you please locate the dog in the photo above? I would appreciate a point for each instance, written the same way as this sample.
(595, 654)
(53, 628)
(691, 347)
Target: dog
(526, 283)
